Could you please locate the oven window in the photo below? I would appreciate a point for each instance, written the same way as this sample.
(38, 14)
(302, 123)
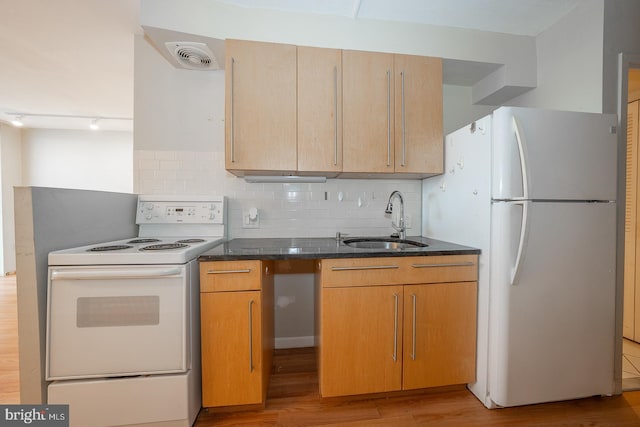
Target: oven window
(95, 312)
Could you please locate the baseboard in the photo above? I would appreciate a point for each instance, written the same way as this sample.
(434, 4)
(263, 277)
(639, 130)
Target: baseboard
(630, 384)
(295, 342)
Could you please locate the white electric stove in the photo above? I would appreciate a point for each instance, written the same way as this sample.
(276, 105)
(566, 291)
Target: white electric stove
(123, 326)
(172, 230)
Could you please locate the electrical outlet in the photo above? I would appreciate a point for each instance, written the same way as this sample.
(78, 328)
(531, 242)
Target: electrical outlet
(407, 221)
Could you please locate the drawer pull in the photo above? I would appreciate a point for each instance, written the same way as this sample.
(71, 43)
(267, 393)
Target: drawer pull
(250, 336)
(413, 348)
(370, 267)
(395, 328)
(248, 270)
(453, 264)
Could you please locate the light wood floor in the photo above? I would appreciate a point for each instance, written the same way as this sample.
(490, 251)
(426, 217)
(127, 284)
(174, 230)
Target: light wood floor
(9, 375)
(293, 397)
(293, 400)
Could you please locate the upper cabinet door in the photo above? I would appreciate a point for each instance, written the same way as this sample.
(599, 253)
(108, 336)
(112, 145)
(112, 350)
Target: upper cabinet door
(319, 110)
(368, 104)
(418, 115)
(260, 107)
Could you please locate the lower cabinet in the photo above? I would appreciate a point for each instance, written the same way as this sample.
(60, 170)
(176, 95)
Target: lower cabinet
(383, 324)
(440, 334)
(361, 340)
(378, 335)
(237, 336)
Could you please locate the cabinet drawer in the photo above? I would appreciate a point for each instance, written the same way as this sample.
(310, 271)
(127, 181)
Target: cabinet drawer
(218, 276)
(440, 269)
(397, 270)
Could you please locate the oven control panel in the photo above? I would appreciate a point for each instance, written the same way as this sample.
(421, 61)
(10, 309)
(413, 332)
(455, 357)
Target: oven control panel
(177, 212)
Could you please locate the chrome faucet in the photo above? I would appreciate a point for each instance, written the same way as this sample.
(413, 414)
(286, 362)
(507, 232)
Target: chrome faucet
(400, 228)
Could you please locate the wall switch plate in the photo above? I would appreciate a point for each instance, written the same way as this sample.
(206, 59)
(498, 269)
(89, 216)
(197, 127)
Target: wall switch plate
(250, 219)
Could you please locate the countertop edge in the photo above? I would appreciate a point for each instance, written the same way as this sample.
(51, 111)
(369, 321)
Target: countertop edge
(319, 248)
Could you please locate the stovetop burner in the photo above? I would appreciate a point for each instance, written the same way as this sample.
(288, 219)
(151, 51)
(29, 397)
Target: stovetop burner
(108, 248)
(190, 241)
(164, 246)
(143, 240)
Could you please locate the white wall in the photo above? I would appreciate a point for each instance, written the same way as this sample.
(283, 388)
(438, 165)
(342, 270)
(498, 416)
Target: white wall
(217, 20)
(10, 176)
(89, 160)
(570, 62)
(621, 35)
(458, 108)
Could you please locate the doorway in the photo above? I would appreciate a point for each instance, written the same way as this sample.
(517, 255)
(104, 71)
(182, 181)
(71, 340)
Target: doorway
(631, 300)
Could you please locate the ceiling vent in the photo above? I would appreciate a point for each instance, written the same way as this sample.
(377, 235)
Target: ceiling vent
(193, 55)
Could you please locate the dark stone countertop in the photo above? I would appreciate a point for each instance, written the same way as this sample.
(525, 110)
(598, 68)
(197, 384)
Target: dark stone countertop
(319, 248)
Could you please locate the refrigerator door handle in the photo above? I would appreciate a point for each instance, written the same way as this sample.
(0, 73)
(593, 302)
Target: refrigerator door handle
(523, 159)
(523, 238)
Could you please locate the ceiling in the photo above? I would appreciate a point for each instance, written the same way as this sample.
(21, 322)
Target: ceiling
(75, 57)
(523, 17)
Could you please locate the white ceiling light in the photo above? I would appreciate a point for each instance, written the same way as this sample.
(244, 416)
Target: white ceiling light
(17, 122)
(193, 55)
(67, 121)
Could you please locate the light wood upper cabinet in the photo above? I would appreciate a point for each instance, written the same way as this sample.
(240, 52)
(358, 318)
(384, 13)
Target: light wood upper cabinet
(294, 110)
(319, 110)
(260, 107)
(418, 115)
(368, 104)
(392, 114)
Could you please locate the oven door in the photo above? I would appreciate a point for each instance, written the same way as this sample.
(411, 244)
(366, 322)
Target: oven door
(117, 320)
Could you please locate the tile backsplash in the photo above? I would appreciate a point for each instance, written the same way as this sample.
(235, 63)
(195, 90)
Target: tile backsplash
(353, 206)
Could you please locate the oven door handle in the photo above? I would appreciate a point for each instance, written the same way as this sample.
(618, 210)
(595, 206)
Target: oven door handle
(111, 274)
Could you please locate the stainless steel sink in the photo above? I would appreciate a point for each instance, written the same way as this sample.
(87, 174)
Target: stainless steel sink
(382, 243)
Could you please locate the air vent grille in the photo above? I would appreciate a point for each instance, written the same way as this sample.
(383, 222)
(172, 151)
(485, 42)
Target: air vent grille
(193, 55)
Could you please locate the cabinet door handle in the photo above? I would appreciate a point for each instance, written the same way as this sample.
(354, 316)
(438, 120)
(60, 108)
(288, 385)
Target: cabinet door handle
(250, 336)
(388, 117)
(395, 328)
(366, 267)
(404, 145)
(453, 264)
(413, 349)
(248, 270)
(233, 135)
(335, 116)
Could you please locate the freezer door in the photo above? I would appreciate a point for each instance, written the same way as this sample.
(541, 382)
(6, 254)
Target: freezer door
(552, 301)
(560, 155)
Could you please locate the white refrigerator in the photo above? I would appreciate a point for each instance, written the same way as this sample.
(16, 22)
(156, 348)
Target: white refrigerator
(535, 190)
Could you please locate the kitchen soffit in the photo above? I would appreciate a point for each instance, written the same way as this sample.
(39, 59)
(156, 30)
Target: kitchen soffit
(36, 81)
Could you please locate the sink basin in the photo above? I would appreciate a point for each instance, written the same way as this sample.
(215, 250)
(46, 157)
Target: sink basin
(382, 243)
